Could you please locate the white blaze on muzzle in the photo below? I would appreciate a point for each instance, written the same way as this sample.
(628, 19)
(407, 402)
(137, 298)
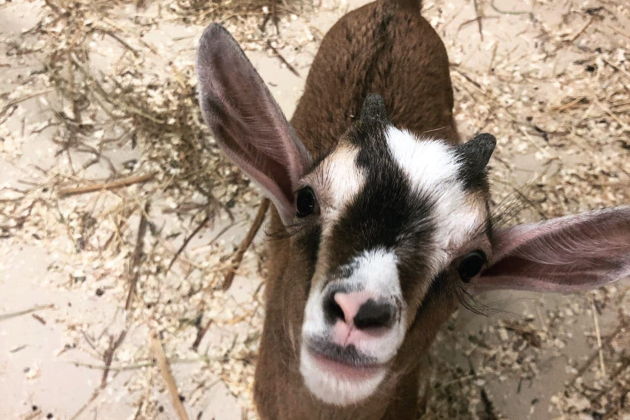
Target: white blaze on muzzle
(374, 273)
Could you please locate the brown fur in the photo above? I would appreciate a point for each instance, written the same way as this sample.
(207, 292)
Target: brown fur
(386, 48)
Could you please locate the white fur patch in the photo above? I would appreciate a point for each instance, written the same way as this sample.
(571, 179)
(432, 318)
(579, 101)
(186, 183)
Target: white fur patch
(332, 389)
(337, 180)
(427, 163)
(343, 177)
(432, 167)
(376, 271)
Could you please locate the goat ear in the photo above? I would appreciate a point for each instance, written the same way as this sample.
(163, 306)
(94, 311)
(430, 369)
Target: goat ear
(561, 255)
(245, 119)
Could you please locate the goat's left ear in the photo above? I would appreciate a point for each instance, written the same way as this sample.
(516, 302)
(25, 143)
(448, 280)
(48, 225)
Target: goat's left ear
(561, 255)
(246, 121)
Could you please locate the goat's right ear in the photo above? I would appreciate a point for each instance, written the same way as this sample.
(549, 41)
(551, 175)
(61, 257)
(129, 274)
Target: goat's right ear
(566, 254)
(246, 121)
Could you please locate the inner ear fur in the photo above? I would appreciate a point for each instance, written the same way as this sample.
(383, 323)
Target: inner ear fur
(246, 121)
(566, 254)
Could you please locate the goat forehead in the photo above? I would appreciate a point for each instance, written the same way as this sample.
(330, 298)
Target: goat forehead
(397, 191)
(429, 164)
(434, 168)
(385, 207)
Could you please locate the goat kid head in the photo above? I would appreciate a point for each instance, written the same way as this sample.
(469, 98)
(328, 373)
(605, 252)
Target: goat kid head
(381, 219)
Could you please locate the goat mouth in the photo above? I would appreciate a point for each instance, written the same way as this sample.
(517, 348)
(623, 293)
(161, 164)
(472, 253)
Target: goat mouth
(345, 362)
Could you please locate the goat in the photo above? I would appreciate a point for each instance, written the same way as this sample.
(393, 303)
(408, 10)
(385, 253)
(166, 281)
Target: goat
(381, 217)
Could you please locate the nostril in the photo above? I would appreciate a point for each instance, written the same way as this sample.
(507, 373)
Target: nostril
(373, 314)
(332, 310)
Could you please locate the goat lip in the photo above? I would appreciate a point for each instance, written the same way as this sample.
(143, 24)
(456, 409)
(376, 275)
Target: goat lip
(344, 367)
(345, 370)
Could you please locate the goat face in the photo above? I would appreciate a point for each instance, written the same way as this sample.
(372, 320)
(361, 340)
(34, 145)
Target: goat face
(390, 216)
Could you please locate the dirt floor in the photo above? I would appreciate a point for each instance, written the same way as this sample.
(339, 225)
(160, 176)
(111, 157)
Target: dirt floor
(108, 295)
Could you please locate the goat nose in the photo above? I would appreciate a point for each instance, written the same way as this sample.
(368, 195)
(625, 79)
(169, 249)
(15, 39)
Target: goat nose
(359, 309)
(374, 314)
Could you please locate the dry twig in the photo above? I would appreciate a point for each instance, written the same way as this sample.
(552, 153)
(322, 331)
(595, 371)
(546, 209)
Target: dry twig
(282, 59)
(14, 102)
(109, 185)
(238, 257)
(25, 311)
(599, 339)
(186, 241)
(581, 31)
(200, 334)
(136, 258)
(108, 356)
(167, 374)
(595, 354)
(479, 17)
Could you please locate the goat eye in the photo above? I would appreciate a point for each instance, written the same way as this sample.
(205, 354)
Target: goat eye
(305, 202)
(471, 265)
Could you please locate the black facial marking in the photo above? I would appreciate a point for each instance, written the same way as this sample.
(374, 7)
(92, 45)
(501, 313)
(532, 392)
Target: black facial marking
(474, 156)
(343, 271)
(387, 213)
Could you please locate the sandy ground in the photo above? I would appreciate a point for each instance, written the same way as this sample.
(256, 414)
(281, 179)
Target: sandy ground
(531, 74)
